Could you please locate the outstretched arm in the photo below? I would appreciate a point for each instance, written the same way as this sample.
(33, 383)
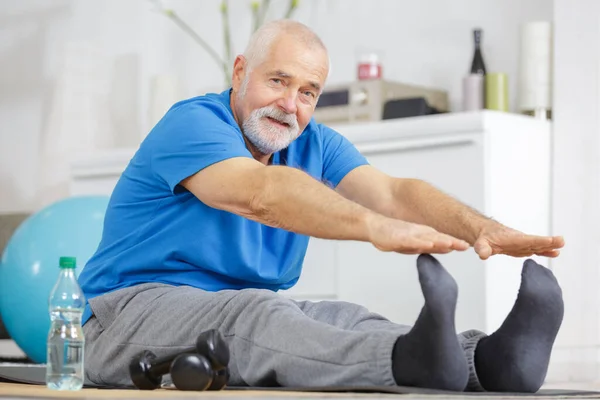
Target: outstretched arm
(290, 199)
(419, 202)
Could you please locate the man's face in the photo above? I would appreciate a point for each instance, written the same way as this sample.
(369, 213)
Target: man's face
(276, 100)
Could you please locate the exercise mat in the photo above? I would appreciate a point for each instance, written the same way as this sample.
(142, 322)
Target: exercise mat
(35, 374)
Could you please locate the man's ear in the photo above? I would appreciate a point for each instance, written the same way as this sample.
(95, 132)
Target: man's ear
(239, 72)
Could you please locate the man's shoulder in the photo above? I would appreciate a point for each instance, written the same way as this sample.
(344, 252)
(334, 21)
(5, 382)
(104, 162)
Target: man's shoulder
(192, 121)
(214, 105)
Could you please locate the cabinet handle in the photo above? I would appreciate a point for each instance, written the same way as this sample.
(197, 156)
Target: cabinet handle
(414, 144)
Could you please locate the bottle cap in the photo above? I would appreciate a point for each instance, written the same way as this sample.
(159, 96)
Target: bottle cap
(68, 262)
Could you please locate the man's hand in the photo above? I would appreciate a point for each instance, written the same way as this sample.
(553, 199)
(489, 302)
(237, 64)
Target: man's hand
(388, 234)
(499, 239)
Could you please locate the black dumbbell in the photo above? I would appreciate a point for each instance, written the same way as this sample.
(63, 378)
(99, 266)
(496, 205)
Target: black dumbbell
(220, 379)
(146, 370)
(190, 371)
(194, 372)
(212, 345)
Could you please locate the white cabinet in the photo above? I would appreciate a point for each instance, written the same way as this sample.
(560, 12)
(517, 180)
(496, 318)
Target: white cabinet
(494, 162)
(497, 163)
(452, 162)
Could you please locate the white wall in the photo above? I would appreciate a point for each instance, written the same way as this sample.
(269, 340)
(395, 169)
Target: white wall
(33, 35)
(576, 186)
(424, 42)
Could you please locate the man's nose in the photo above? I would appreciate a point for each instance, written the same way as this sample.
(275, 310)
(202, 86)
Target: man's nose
(287, 102)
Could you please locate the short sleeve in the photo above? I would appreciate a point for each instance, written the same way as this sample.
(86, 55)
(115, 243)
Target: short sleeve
(191, 138)
(340, 156)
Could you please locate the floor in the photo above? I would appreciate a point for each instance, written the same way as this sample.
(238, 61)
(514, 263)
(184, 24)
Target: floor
(15, 391)
(20, 392)
(25, 391)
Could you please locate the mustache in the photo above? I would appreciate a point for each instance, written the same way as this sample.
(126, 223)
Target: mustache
(278, 115)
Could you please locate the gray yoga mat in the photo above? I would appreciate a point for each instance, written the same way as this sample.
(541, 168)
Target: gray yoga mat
(35, 374)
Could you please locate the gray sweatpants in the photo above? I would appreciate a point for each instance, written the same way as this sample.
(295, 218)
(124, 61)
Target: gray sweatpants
(274, 341)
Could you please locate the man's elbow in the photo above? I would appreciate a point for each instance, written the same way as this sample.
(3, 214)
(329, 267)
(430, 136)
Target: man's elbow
(259, 202)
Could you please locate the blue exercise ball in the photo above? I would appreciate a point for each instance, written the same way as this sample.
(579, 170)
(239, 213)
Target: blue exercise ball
(29, 265)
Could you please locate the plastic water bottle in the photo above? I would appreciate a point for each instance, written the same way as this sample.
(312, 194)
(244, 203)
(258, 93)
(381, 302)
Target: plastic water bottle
(64, 364)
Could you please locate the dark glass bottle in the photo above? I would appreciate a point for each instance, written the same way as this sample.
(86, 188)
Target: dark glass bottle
(477, 65)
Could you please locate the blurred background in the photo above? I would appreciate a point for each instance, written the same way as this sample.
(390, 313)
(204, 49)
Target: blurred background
(83, 81)
(90, 67)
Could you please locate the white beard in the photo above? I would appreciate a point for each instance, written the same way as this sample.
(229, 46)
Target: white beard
(267, 136)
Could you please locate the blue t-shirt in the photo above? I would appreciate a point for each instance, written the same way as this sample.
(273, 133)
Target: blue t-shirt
(157, 231)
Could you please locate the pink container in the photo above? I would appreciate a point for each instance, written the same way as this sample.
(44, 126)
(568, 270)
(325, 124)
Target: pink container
(369, 67)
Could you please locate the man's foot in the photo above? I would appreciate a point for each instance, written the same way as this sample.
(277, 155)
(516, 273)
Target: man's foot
(430, 356)
(515, 358)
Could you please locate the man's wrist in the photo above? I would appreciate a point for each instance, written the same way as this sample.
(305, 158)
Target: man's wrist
(482, 225)
(370, 222)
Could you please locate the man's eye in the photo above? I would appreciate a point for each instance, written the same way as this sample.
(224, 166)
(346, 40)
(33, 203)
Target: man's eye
(309, 94)
(276, 81)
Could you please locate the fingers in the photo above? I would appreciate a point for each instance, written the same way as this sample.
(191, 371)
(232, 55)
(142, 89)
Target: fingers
(431, 245)
(446, 245)
(458, 244)
(558, 242)
(439, 243)
(428, 240)
(485, 250)
(550, 253)
(545, 253)
(526, 245)
(550, 242)
(545, 246)
(543, 243)
(539, 242)
(525, 253)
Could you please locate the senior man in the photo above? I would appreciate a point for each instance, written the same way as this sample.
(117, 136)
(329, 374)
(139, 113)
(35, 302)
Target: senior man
(213, 215)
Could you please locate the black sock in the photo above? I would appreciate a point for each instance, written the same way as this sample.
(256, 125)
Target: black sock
(430, 356)
(515, 358)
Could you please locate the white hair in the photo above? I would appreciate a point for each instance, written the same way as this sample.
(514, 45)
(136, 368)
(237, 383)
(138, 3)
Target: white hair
(261, 41)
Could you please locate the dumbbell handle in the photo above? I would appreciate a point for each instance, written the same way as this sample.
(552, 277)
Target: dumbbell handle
(217, 354)
(162, 365)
